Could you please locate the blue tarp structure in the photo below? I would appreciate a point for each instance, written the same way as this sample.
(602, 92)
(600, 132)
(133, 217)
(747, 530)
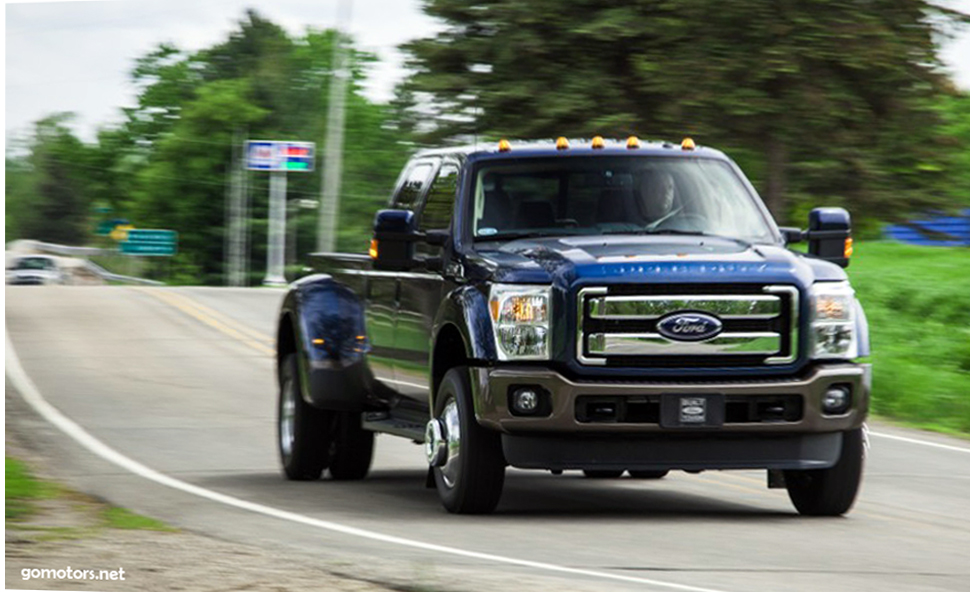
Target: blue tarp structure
(945, 231)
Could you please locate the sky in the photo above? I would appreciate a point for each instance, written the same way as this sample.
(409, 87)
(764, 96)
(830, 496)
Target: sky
(76, 56)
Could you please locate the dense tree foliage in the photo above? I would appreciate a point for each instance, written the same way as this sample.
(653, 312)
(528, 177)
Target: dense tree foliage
(830, 100)
(167, 164)
(46, 196)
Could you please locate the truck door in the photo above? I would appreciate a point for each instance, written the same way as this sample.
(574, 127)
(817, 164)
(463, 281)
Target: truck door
(383, 287)
(421, 292)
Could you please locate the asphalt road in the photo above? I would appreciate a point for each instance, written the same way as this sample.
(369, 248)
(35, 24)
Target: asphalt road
(182, 381)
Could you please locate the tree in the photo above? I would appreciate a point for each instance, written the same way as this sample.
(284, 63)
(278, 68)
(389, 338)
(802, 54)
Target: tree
(47, 197)
(830, 98)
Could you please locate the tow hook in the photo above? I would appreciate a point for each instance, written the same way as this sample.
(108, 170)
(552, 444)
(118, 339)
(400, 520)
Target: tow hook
(435, 443)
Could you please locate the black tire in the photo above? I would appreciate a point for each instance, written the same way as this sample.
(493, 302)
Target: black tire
(829, 492)
(351, 449)
(648, 474)
(477, 478)
(305, 458)
(602, 473)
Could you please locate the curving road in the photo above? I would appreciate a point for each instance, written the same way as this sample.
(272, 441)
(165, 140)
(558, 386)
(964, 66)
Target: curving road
(181, 381)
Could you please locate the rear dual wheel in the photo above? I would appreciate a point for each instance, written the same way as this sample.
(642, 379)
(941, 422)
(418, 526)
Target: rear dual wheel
(311, 440)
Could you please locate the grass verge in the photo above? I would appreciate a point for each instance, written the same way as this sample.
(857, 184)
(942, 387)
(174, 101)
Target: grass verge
(24, 492)
(917, 300)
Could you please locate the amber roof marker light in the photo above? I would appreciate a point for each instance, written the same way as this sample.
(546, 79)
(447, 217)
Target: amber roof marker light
(504, 146)
(598, 143)
(562, 143)
(632, 143)
(688, 144)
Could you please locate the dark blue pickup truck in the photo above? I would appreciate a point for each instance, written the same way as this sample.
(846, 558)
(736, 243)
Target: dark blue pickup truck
(603, 306)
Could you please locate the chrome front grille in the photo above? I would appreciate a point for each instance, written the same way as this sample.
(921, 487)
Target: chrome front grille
(619, 328)
(653, 307)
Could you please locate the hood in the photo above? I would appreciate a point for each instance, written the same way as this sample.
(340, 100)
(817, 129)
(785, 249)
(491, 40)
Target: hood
(565, 261)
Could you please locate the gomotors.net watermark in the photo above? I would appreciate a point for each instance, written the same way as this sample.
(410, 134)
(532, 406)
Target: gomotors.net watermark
(72, 574)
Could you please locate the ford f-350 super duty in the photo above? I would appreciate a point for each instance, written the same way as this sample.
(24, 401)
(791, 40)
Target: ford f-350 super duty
(603, 306)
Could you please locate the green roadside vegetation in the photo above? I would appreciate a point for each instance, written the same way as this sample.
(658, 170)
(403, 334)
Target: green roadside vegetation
(24, 495)
(22, 491)
(917, 301)
(115, 517)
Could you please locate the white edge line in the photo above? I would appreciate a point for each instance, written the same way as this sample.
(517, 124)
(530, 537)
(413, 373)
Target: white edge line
(30, 393)
(921, 442)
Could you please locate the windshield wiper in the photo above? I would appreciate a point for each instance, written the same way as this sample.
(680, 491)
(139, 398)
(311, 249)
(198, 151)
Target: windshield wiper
(678, 232)
(519, 235)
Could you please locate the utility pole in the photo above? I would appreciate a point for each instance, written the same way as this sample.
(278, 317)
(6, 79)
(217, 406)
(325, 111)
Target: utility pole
(333, 147)
(235, 251)
(276, 245)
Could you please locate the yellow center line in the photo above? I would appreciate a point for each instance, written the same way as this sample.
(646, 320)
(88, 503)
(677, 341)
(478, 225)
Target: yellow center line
(224, 328)
(226, 320)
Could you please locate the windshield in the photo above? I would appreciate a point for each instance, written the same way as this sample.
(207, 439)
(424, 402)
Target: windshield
(613, 195)
(34, 263)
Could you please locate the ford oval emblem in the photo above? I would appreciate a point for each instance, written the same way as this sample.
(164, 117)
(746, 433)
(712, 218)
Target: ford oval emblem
(689, 326)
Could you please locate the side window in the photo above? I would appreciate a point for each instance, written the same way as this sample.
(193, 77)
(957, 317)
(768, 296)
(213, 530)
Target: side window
(414, 184)
(441, 199)
(438, 206)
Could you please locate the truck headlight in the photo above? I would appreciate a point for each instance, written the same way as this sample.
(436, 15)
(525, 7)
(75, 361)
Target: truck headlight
(832, 332)
(520, 316)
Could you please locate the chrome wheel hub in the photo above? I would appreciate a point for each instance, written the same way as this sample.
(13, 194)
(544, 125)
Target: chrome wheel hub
(287, 417)
(435, 447)
(452, 440)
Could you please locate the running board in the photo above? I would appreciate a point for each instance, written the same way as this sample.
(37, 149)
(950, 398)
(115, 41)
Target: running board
(398, 422)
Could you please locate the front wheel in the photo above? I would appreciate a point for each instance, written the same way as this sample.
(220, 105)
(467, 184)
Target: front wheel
(830, 492)
(471, 478)
(303, 432)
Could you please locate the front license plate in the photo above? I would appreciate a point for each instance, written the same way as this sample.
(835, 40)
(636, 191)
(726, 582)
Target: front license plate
(686, 411)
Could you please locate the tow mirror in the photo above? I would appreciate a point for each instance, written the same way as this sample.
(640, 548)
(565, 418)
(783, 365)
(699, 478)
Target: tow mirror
(395, 233)
(392, 247)
(830, 235)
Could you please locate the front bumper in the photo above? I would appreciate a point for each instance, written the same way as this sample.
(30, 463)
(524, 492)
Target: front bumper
(491, 387)
(691, 452)
(561, 441)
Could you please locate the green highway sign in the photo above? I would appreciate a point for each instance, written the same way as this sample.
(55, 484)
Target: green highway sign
(141, 235)
(150, 242)
(150, 249)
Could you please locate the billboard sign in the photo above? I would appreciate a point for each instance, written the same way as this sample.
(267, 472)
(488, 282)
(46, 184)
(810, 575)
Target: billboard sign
(272, 155)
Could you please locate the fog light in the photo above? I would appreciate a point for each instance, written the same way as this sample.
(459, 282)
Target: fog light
(525, 401)
(836, 400)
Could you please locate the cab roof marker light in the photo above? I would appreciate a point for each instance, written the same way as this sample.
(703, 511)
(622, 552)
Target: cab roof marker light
(632, 143)
(598, 143)
(504, 146)
(562, 143)
(688, 144)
